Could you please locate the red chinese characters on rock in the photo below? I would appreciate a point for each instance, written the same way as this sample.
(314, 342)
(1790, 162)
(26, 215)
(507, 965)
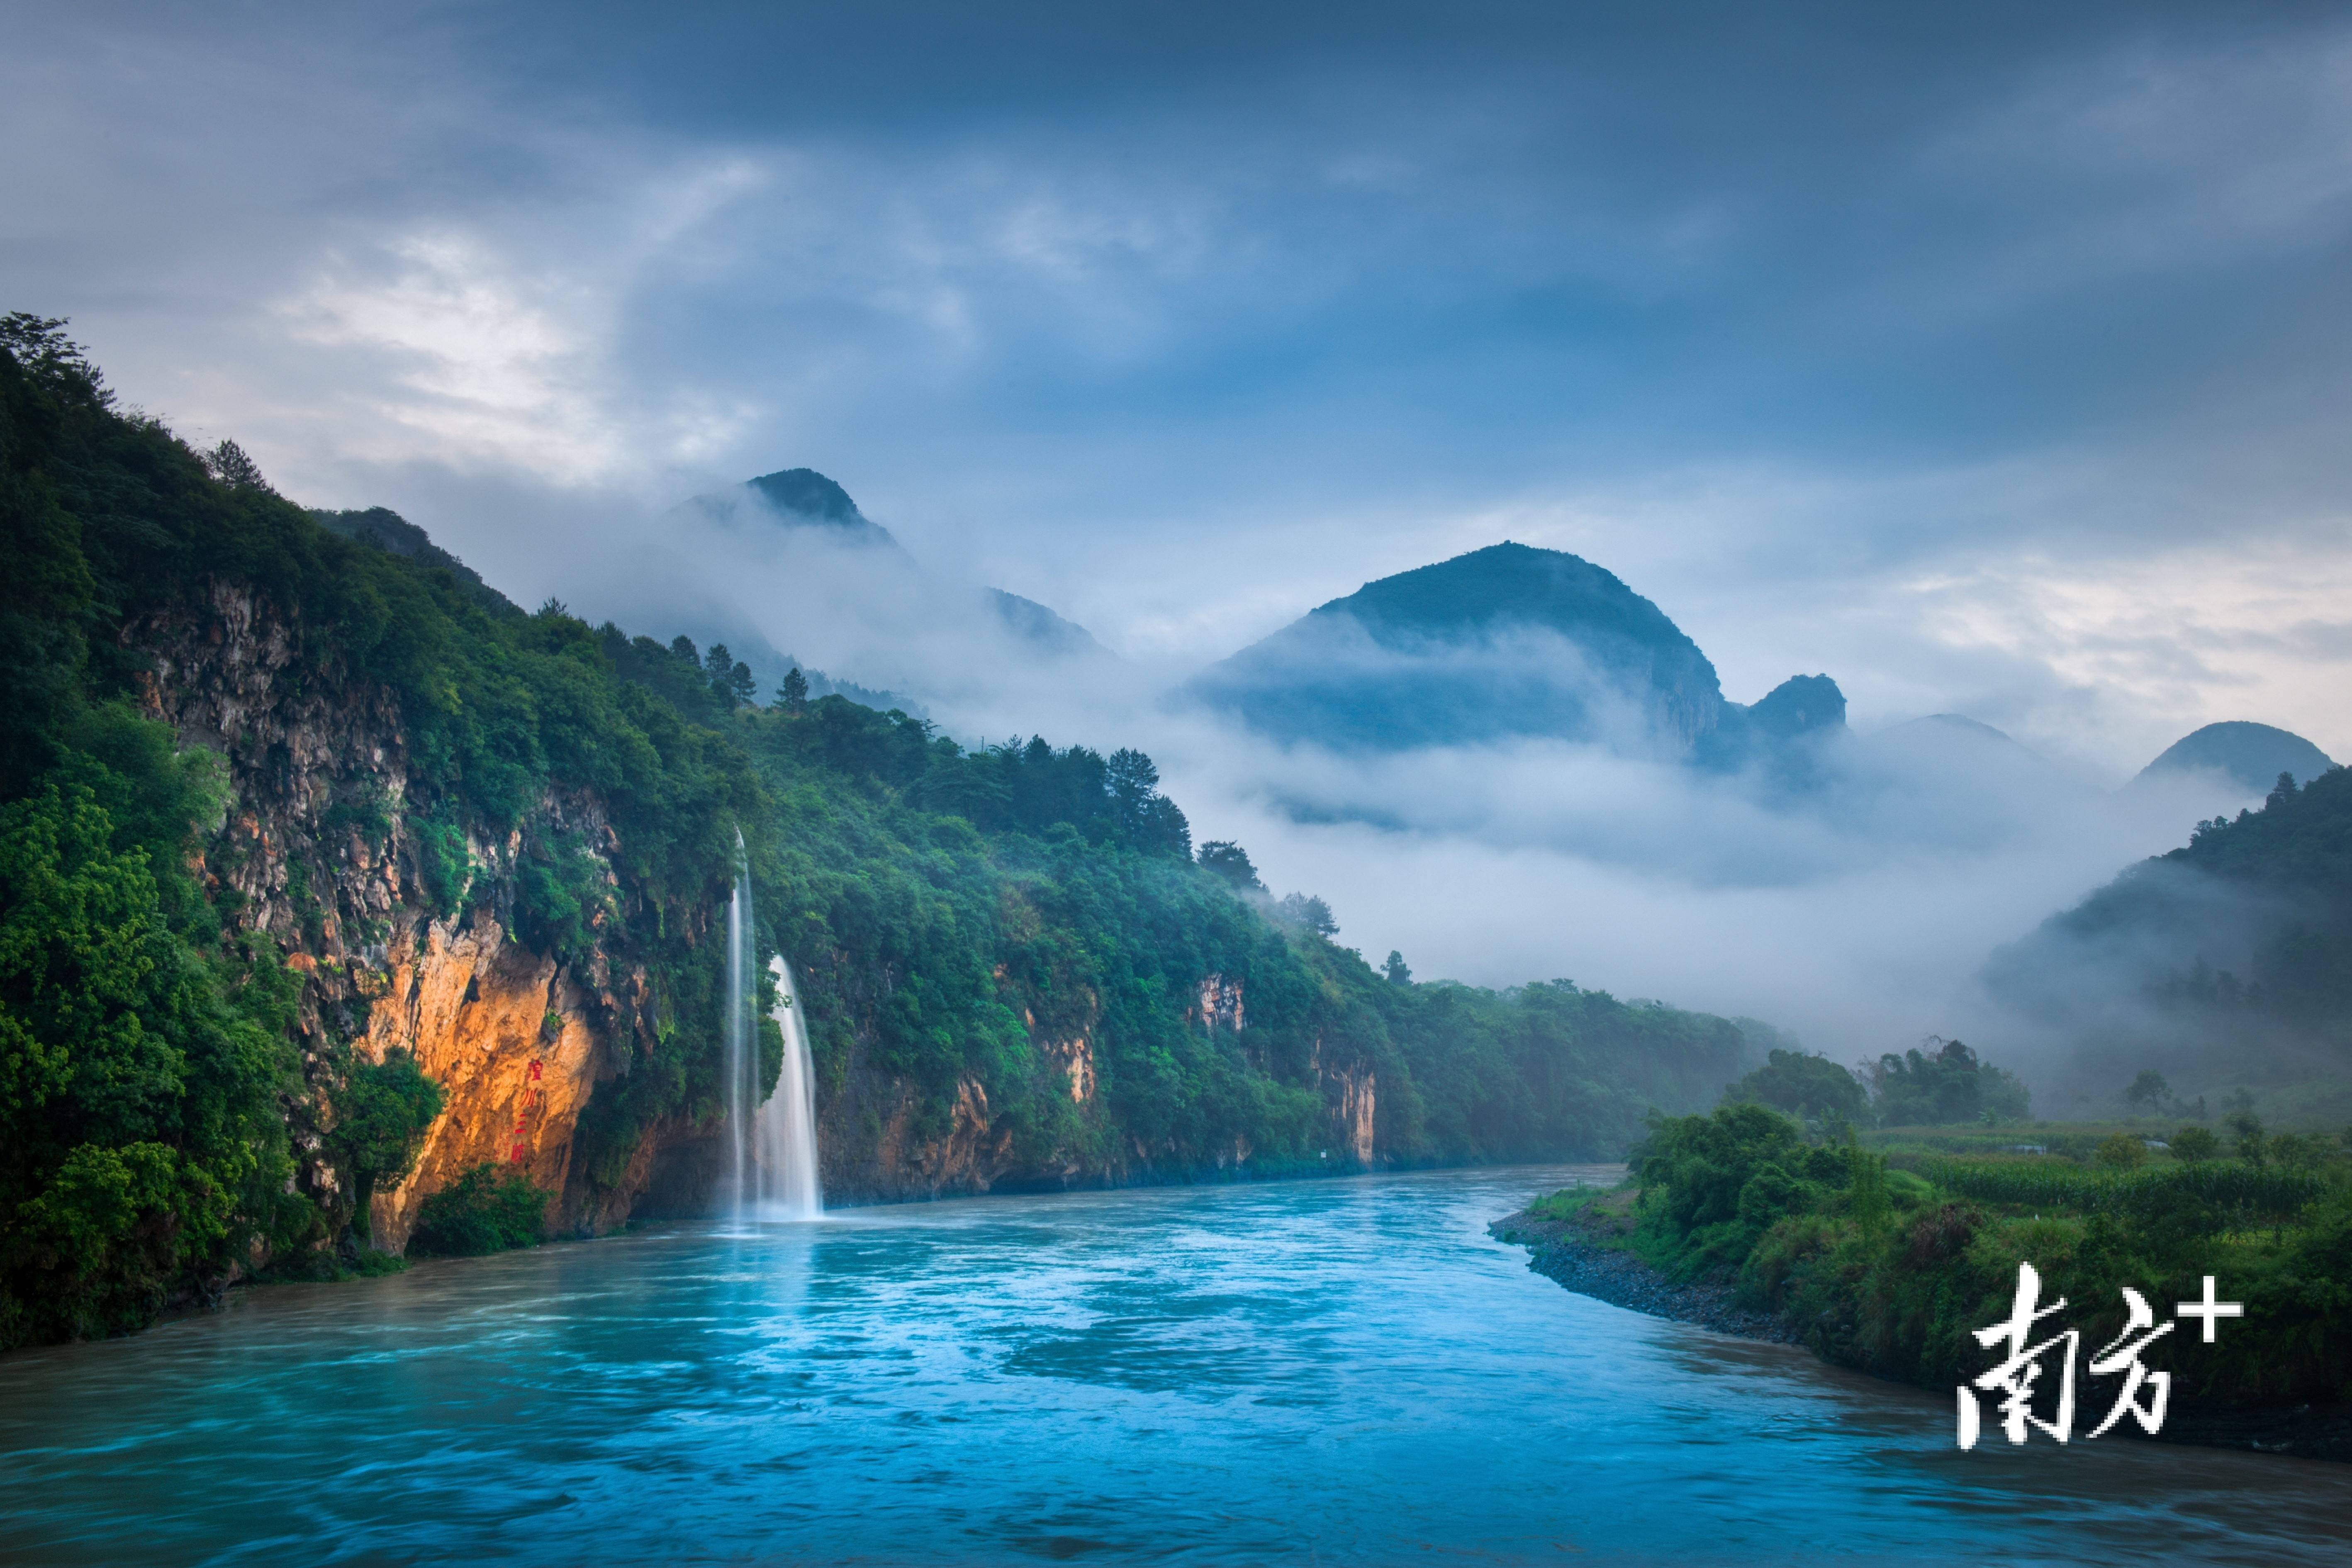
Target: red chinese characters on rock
(533, 1100)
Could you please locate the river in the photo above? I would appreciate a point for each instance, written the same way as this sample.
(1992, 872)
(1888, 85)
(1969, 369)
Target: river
(1330, 1372)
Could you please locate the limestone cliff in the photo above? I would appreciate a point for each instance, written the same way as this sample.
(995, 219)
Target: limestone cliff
(320, 851)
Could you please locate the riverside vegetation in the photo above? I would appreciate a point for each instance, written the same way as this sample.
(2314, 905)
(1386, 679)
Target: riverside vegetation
(1880, 1216)
(1883, 1251)
(183, 1096)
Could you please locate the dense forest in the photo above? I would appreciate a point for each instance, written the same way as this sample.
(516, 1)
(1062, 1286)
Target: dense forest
(193, 927)
(1942, 1085)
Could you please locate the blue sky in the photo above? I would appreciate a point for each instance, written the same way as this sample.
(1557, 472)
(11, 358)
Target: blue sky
(1991, 359)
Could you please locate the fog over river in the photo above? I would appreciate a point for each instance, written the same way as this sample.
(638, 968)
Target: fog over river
(1314, 1372)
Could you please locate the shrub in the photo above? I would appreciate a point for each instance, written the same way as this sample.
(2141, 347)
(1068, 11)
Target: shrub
(484, 1210)
(381, 1115)
(2191, 1144)
(2123, 1151)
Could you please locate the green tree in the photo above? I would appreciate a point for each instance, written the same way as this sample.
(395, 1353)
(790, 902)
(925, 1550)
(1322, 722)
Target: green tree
(731, 680)
(2246, 1130)
(793, 691)
(1944, 1085)
(1307, 912)
(1230, 864)
(1396, 970)
(2122, 1151)
(381, 1115)
(2191, 1144)
(484, 1210)
(229, 464)
(2149, 1093)
(139, 1136)
(1810, 1087)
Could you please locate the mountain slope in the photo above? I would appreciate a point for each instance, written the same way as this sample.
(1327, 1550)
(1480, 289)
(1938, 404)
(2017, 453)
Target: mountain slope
(2227, 961)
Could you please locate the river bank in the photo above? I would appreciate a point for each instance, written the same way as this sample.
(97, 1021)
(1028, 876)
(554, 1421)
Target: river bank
(1585, 1253)
(1575, 1253)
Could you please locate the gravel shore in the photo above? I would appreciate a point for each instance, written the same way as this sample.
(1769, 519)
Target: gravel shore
(1562, 1251)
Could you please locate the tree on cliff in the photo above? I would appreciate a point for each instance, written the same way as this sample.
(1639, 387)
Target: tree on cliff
(1230, 863)
(730, 679)
(380, 1117)
(1307, 912)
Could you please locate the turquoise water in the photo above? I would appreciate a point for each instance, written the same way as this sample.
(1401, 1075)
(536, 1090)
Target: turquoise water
(1341, 1371)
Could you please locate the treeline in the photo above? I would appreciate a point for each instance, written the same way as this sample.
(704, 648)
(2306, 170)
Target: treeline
(1943, 1085)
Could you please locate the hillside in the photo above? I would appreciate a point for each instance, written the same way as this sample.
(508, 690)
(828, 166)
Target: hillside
(1506, 642)
(331, 881)
(2226, 962)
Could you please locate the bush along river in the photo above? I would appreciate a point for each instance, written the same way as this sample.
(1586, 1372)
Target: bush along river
(1346, 1371)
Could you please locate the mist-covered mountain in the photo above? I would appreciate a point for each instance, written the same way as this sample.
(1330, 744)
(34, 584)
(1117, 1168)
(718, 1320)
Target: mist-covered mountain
(2226, 962)
(803, 503)
(2251, 756)
(1504, 642)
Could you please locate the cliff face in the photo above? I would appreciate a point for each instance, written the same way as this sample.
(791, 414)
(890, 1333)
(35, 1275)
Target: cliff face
(319, 851)
(514, 1041)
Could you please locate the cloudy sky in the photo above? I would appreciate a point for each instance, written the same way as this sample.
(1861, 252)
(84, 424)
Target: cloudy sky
(1991, 359)
(1988, 358)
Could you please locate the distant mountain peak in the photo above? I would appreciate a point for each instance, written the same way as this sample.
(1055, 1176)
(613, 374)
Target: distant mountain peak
(2249, 756)
(809, 493)
(795, 498)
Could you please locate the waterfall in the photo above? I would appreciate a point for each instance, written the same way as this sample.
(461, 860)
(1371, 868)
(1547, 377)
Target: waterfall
(771, 1146)
(742, 1044)
(787, 1123)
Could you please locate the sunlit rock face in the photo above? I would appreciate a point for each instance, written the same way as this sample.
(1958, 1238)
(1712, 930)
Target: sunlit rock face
(1505, 643)
(513, 1040)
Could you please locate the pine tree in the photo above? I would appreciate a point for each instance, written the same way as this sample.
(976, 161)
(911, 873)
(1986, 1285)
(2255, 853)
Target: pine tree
(793, 691)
